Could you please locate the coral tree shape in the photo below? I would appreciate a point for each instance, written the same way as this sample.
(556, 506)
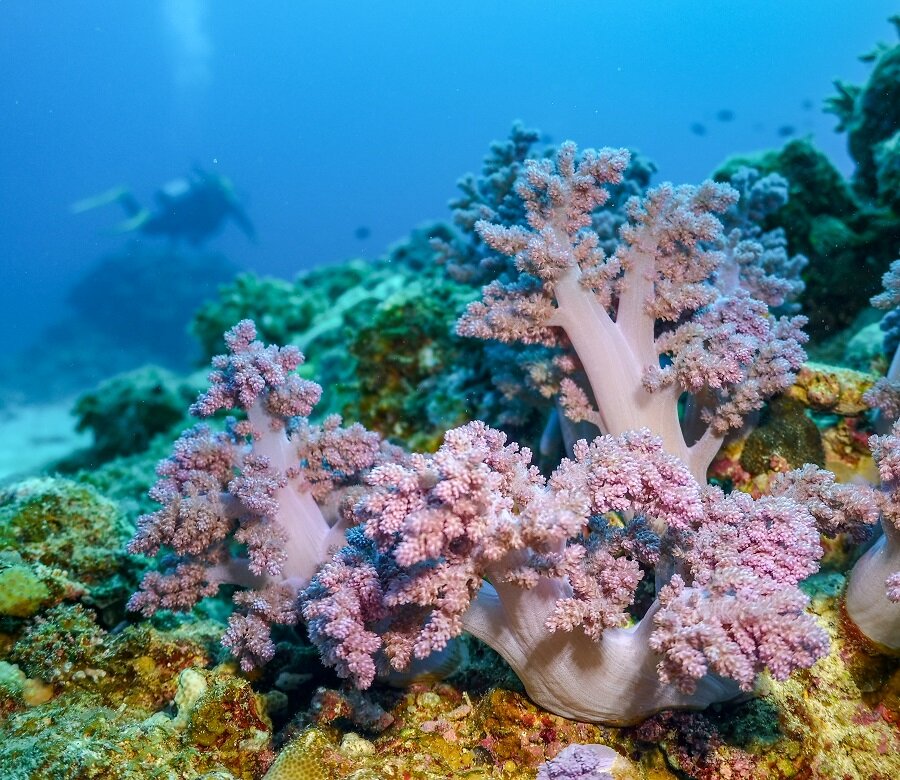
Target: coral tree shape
(544, 570)
(268, 485)
(670, 311)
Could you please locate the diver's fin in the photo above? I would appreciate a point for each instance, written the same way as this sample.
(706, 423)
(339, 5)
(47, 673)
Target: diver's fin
(133, 223)
(243, 222)
(116, 194)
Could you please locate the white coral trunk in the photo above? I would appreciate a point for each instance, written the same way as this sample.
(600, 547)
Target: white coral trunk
(868, 606)
(613, 681)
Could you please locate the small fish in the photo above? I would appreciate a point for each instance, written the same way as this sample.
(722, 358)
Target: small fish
(786, 131)
(725, 115)
(698, 129)
(807, 105)
(362, 233)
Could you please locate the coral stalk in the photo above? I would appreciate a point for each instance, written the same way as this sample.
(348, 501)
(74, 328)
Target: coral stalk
(873, 591)
(613, 680)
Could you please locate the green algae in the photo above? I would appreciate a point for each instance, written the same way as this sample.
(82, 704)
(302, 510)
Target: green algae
(136, 666)
(22, 591)
(77, 701)
(77, 737)
(404, 359)
(70, 528)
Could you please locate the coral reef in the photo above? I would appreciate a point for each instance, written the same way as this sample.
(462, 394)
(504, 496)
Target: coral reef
(124, 414)
(510, 557)
(848, 242)
(474, 537)
(838, 719)
(402, 355)
(870, 116)
(220, 730)
(830, 423)
(784, 435)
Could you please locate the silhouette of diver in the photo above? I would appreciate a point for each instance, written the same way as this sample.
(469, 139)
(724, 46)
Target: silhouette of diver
(192, 208)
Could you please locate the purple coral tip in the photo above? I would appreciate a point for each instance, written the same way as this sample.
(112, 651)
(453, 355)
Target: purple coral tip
(580, 762)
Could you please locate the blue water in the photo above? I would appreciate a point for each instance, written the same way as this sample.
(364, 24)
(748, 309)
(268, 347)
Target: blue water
(338, 115)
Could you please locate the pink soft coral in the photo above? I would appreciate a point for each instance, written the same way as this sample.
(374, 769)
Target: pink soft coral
(473, 538)
(647, 323)
(267, 483)
(545, 571)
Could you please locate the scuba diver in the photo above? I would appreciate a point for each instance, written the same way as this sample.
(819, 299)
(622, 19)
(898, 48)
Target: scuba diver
(192, 208)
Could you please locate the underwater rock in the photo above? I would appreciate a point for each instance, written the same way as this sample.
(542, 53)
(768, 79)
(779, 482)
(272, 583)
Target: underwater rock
(78, 702)
(73, 530)
(785, 436)
(18, 691)
(220, 732)
(27, 588)
(865, 350)
(227, 716)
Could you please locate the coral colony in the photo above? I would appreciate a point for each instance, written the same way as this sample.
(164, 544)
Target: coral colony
(666, 341)
(268, 481)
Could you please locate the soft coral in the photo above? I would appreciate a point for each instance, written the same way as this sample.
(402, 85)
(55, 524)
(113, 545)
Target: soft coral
(270, 483)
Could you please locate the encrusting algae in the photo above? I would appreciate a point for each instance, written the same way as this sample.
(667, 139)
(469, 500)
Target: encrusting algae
(819, 419)
(839, 719)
